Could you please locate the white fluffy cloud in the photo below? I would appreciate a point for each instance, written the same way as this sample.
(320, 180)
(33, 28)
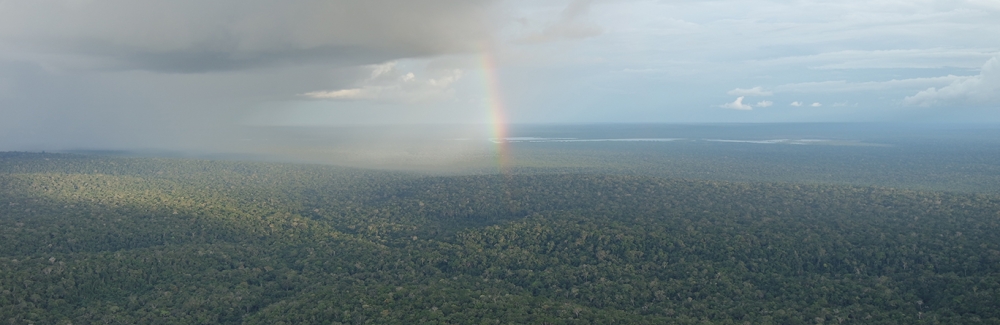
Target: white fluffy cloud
(755, 91)
(737, 105)
(975, 90)
(800, 104)
(388, 83)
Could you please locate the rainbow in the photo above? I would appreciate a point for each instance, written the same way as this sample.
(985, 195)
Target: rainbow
(497, 114)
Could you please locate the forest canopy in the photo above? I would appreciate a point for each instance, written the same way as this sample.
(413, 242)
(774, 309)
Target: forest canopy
(98, 239)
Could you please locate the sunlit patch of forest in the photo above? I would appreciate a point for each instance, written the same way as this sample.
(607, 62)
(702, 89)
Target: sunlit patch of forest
(124, 240)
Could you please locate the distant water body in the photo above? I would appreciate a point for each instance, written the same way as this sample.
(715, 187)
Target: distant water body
(537, 140)
(764, 133)
(893, 134)
(949, 157)
(549, 140)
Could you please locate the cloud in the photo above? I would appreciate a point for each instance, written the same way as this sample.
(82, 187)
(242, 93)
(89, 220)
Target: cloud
(737, 105)
(845, 86)
(917, 58)
(198, 36)
(147, 74)
(796, 104)
(387, 83)
(816, 105)
(571, 25)
(353, 93)
(975, 90)
(755, 91)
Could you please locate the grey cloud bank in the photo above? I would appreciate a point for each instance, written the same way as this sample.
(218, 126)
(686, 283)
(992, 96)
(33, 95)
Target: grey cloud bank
(185, 74)
(196, 36)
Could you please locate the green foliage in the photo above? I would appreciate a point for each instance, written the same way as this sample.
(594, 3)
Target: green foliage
(87, 239)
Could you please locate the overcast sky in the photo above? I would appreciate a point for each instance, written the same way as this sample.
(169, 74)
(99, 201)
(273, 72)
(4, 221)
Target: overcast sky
(151, 74)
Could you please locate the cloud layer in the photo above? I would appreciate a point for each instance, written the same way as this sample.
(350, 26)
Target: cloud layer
(195, 36)
(571, 24)
(158, 73)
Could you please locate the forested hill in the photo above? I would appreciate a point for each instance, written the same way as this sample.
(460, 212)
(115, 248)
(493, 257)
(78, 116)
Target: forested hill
(89, 239)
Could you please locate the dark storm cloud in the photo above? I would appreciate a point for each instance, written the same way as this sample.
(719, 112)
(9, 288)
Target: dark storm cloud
(49, 110)
(183, 74)
(198, 36)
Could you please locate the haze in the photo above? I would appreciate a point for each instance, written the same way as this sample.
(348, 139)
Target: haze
(226, 75)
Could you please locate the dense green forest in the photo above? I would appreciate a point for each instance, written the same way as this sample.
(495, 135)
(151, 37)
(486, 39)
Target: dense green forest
(118, 240)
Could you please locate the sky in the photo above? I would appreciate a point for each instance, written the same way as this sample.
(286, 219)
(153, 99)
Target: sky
(108, 74)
